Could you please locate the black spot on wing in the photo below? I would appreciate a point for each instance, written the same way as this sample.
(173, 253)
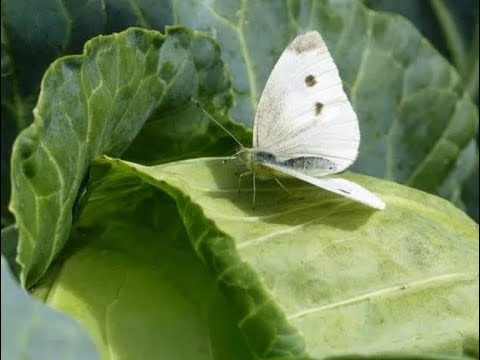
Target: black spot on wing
(318, 108)
(344, 191)
(310, 80)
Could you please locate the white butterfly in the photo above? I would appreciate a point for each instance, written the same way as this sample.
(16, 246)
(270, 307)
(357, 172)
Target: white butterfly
(305, 126)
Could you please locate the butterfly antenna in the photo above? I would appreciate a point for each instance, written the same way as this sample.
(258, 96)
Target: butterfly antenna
(195, 101)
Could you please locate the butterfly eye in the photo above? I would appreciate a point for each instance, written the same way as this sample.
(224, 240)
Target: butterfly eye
(310, 80)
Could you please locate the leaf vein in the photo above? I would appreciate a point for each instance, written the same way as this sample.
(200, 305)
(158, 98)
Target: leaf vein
(358, 78)
(454, 278)
(270, 236)
(246, 55)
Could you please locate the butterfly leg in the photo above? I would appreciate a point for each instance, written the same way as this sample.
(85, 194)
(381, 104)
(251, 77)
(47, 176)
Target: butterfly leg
(233, 157)
(288, 191)
(283, 186)
(240, 179)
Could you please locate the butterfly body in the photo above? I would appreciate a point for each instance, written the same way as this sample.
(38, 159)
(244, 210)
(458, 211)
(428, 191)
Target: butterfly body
(256, 160)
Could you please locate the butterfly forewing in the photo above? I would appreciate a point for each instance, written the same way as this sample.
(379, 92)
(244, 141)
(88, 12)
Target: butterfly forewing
(304, 111)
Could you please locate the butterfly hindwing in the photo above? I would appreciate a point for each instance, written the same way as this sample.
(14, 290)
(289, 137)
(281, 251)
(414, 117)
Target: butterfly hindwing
(339, 186)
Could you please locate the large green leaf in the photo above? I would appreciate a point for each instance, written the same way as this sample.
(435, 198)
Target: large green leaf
(314, 273)
(130, 276)
(31, 330)
(94, 104)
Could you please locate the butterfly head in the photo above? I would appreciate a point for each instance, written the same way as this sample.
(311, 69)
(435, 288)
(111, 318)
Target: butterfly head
(246, 156)
(253, 159)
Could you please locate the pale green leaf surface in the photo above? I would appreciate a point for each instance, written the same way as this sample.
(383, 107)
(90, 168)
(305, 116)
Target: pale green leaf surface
(321, 275)
(381, 357)
(33, 331)
(130, 276)
(396, 357)
(95, 104)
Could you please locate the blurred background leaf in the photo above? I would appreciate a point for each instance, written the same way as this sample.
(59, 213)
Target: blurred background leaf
(452, 26)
